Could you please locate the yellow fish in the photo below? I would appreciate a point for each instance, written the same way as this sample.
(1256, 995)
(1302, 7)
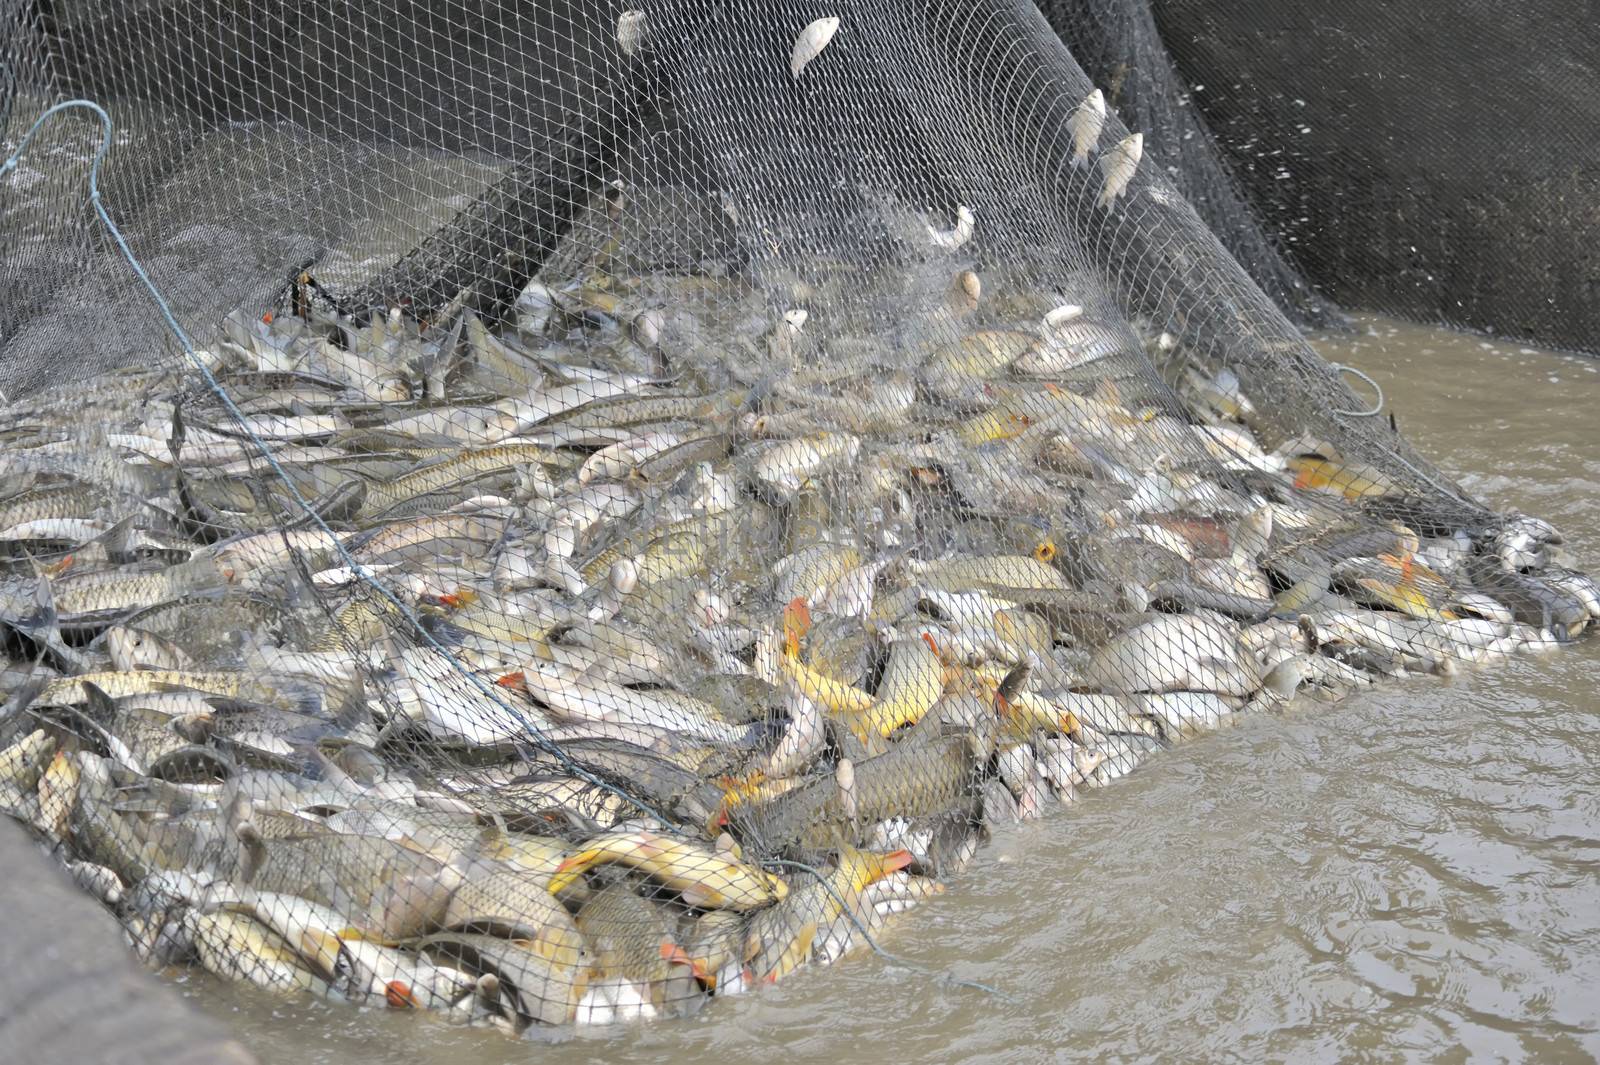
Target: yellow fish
(998, 424)
(833, 695)
(1353, 481)
(912, 682)
(780, 939)
(706, 878)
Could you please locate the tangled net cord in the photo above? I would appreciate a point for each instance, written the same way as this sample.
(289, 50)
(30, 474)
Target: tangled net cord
(361, 571)
(356, 567)
(1362, 375)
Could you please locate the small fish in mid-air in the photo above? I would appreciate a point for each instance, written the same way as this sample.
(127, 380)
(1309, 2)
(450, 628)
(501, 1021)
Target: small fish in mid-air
(812, 40)
(630, 31)
(951, 239)
(1087, 119)
(1118, 166)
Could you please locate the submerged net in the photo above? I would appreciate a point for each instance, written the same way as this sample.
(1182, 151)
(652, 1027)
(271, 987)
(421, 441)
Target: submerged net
(649, 489)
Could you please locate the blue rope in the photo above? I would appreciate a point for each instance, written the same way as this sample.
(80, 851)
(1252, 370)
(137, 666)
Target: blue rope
(177, 330)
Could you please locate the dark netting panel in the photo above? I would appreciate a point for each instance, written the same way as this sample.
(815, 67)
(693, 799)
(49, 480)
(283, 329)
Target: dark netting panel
(1118, 45)
(650, 487)
(1433, 162)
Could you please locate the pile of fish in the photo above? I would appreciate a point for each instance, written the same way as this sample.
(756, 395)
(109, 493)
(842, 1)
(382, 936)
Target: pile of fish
(653, 644)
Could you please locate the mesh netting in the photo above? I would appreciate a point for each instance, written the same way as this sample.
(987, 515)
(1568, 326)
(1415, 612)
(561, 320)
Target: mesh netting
(1397, 151)
(1117, 43)
(649, 489)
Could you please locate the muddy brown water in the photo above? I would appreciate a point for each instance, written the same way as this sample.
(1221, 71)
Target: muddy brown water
(1413, 873)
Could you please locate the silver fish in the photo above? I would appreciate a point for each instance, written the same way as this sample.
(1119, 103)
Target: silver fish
(1117, 167)
(1085, 123)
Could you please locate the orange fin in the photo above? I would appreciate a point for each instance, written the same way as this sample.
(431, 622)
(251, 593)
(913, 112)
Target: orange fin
(676, 955)
(399, 996)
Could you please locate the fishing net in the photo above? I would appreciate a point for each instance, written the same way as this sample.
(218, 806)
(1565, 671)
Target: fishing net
(1398, 156)
(646, 491)
(1119, 47)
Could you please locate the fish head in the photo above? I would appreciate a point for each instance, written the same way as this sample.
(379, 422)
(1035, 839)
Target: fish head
(132, 649)
(24, 761)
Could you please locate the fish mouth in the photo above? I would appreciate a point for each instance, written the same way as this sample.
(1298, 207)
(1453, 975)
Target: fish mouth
(673, 954)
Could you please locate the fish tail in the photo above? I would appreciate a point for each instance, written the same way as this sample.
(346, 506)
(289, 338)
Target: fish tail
(298, 696)
(42, 619)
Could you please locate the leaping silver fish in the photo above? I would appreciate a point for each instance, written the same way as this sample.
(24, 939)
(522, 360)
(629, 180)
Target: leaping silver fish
(1118, 166)
(1087, 119)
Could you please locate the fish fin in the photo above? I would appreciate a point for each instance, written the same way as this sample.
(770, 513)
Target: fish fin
(117, 542)
(43, 618)
(300, 696)
(862, 729)
(178, 434)
(446, 632)
(1011, 685)
(254, 854)
(101, 706)
(361, 539)
(321, 949)
(196, 728)
(892, 862)
(796, 623)
(332, 772)
(799, 950)
(676, 955)
(39, 571)
(349, 703)
(23, 696)
(236, 810)
(754, 735)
